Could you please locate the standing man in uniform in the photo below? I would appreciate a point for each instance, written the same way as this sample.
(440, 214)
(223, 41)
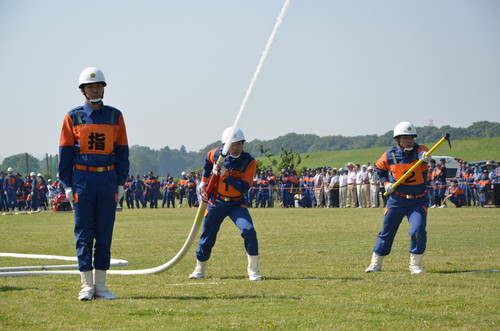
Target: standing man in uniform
(152, 186)
(94, 164)
(182, 184)
(191, 190)
(138, 189)
(229, 199)
(12, 187)
(441, 186)
(3, 199)
(408, 199)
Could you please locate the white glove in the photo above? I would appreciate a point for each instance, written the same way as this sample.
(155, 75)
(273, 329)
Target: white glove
(69, 194)
(426, 158)
(218, 171)
(120, 192)
(202, 192)
(388, 188)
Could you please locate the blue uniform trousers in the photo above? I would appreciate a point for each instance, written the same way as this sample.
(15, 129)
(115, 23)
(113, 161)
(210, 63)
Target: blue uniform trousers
(397, 208)
(212, 222)
(12, 198)
(139, 197)
(95, 210)
(262, 197)
(182, 194)
(191, 197)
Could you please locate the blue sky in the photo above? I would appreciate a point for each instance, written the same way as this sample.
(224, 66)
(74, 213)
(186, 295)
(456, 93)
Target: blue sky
(179, 69)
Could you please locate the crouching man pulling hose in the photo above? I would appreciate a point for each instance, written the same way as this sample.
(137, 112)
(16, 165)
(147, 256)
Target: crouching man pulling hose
(226, 180)
(403, 170)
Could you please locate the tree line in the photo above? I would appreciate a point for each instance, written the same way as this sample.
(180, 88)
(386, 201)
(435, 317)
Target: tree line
(287, 148)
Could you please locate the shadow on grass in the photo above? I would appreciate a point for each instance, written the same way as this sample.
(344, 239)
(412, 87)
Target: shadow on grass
(12, 288)
(315, 278)
(295, 278)
(464, 271)
(216, 297)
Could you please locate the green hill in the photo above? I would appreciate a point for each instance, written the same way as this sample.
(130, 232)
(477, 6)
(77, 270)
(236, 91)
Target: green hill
(471, 150)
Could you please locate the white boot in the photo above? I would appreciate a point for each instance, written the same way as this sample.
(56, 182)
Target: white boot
(87, 292)
(101, 291)
(253, 267)
(199, 271)
(416, 264)
(376, 263)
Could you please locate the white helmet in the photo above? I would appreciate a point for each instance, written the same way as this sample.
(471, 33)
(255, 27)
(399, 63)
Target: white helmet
(405, 129)
(10, 169)
(91, 75)
(237, 135)
(32, 174)
(183, 173)
(39, 174)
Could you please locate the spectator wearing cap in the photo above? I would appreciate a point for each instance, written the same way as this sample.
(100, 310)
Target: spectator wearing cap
(456, 195)
(285, 187)
(42, 192)
(311, 173)
(263, 191)
(491, 170)
(470, 186)
(483, 186)
(12, 186)
(271, 178)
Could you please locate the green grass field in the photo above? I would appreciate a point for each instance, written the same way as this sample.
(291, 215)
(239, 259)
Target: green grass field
(312, 262)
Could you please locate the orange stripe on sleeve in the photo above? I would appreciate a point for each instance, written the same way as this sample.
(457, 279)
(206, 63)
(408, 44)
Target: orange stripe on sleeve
(67, 135)
(121, 133)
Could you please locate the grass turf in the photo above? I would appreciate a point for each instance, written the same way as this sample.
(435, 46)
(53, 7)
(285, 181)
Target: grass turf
(312, 262)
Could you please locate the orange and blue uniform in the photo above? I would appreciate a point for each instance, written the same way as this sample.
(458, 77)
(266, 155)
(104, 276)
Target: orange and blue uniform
(457, 196)
(182, 188)
(12, 186)
(272, 182)
(129, 194)
(409, 199)
(229, 200)
(152, 186)
(93, 161)
(191, 191)
(137, 187)
(169, 190)
(263, 193)
(483, 186)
